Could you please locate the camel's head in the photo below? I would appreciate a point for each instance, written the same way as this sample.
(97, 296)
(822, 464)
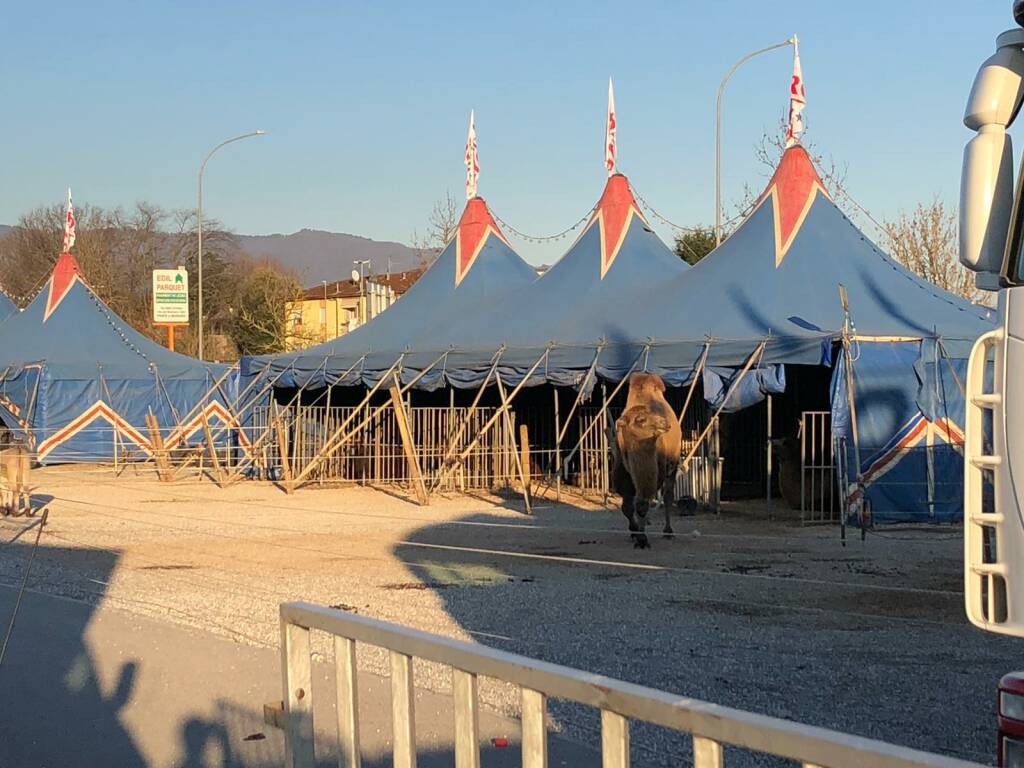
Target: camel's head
(640, 425)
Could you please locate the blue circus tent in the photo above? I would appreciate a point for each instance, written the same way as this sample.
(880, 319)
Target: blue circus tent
(772, 290)
(78, 382)
(776, 279)
(474, 269)
(7, 307)
(584, 308)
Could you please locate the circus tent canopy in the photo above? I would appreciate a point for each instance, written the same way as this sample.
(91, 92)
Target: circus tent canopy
(78, 380)
(588, 299)
(777, 279)
(473, 270)
(7, 307)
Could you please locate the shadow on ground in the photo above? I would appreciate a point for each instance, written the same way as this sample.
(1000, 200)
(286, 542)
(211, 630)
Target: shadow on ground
(785, 623)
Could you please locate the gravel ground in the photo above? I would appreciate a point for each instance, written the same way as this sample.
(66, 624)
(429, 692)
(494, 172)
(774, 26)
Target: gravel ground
(760, 615)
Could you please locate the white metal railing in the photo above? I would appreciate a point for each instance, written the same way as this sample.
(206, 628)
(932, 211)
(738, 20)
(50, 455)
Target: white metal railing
(711, 726)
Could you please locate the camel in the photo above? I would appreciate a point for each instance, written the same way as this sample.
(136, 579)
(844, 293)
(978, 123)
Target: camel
(647, 438)
(14, 490)
(789, 463)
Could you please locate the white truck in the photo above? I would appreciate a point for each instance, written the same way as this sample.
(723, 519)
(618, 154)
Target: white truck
(992, 244)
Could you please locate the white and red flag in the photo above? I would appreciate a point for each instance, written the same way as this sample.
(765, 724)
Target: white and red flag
(70, 226)
(609, 133)
(797, 99)
(472, 159)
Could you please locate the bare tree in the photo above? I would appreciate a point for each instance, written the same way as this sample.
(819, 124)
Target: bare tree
(117, 251)
(443, 221)
(425, 251)
(769, 150)
(926, 242)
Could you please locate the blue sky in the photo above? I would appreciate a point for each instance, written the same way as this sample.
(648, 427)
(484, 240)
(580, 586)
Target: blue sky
(366, 104)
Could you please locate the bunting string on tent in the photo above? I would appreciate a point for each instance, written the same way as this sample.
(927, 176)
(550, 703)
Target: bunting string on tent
(544, 238)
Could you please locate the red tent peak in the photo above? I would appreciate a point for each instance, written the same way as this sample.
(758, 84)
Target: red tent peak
(471, 235)
(613, 212)
(792, 190)
(65, 272)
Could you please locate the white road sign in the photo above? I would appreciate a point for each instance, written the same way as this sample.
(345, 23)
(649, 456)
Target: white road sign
(170, 295)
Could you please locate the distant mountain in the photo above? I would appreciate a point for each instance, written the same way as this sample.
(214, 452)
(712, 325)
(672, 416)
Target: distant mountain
(316, 255)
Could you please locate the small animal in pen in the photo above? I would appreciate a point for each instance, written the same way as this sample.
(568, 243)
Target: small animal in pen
(819, 484)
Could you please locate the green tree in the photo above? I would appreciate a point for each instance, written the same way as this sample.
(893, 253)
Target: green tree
(695, 244)
(260, 323)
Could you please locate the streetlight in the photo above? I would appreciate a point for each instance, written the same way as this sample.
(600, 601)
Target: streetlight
(199, 217)
(362, 290)
(718, 131)
(323, 322)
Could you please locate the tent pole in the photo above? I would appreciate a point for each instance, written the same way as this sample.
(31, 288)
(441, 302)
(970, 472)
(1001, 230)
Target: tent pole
(501, 409)
(606, 470)
(579, 393)
(267, 431)
(339, 437)
(512, 439)
(693, 384)
(768, 460)
(755, 355)
(328, 446)
(604, 405)
(558, 451)
(852, 404)
(446, 465)
(110, 402)
(229, 406)
(402, 417)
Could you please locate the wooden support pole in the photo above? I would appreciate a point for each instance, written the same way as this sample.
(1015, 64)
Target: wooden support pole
(447, 464)
(282, 449)
(510, 429)
(339, 437)
(218, 472)
(693, 383)
(524, 459)
(755, 355)
(604, 405)
(506, 402)
(579, 395)
(163, 469)
(407, 445)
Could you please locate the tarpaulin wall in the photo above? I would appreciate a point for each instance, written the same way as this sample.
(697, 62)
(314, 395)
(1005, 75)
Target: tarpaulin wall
(909, 402)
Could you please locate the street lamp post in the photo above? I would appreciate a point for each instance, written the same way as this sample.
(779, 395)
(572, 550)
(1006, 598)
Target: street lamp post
(362, 290)
(324, 323)
(718, 130)
(199, 227)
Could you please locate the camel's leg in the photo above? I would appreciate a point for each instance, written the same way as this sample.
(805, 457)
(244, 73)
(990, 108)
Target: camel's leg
(23, 486)
(640, 539)
(668, 493)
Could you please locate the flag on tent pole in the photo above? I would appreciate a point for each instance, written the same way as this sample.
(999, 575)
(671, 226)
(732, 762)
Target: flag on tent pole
(609, 132)
(70, 226)
(472, 159)
(797, 99)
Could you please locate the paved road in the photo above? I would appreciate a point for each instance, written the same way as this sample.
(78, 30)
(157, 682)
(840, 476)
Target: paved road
(100, 687)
